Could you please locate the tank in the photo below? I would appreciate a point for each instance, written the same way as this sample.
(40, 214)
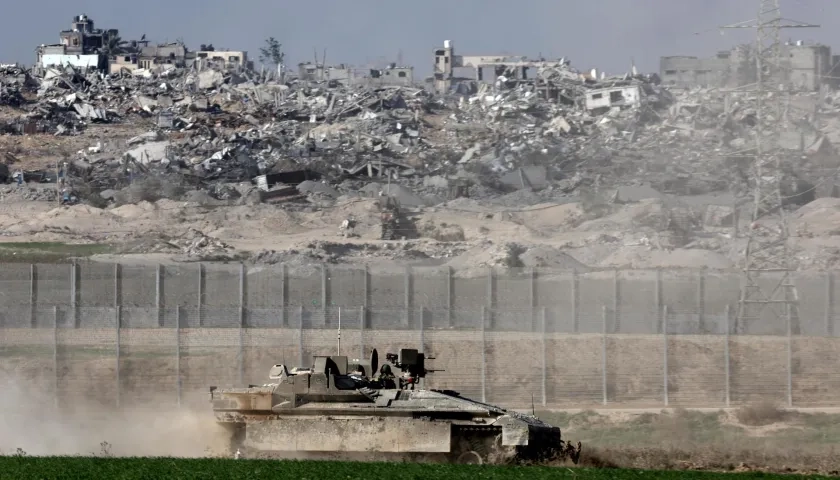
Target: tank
(352, 409)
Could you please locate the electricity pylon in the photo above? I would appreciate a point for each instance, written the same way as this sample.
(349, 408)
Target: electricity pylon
(767, 249)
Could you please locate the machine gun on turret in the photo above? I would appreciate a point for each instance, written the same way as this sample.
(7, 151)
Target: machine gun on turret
(413, 365)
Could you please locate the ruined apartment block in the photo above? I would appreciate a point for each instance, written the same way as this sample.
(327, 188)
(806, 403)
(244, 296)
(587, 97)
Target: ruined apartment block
(511, 71)
(487, 69)
(392, 75)
(805, 67)
(81, 46)
(223, 58)
(85, 46)
(451, 69)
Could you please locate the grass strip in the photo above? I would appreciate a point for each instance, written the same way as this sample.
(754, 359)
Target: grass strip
(25, 467)
(48, 252)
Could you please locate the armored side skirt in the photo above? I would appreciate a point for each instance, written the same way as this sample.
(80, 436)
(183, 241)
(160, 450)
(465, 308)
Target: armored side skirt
(348, 434)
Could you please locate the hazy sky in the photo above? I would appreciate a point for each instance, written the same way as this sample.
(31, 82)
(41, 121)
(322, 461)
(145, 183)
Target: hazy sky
(596, 33)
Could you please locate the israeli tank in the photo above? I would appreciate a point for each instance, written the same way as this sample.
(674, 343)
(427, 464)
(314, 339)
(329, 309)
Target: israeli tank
(358, 410)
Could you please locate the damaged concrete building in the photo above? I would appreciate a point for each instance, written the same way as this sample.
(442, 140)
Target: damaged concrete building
(553, 80)
(81, 46)
(223, 58)
(391, 75)
(450, 69)
(805, 67)
(84, 46)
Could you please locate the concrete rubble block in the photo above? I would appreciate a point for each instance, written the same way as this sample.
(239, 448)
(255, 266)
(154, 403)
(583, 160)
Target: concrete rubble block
(535, 177)
(149, 152)
(210, 79)
(90, 112)
(719, 216)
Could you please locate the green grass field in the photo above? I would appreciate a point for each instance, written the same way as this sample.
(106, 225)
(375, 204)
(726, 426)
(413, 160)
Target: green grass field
(23, 467)
(47, 252)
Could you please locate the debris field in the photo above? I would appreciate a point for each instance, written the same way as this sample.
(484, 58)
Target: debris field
(206, 163)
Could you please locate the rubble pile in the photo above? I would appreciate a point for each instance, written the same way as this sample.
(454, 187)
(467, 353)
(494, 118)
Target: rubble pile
(226, 126)
(228, 136)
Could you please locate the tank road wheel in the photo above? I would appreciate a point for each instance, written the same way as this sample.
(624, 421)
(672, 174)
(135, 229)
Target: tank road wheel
(470, 457)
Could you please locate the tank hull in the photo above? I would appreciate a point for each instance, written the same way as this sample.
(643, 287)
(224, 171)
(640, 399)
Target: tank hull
(348, 435)
(336, 410)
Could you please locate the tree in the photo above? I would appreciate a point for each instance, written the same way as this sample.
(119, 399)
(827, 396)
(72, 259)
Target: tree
(272, 52)
(115, 46)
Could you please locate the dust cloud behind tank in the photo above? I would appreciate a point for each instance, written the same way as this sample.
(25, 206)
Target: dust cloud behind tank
(357, 409)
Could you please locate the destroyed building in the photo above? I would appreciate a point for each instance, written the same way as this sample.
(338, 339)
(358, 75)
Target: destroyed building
(223, 58)
(81, 46)
(804, 67)
(485, 69)
(391, 75)
(174, 54)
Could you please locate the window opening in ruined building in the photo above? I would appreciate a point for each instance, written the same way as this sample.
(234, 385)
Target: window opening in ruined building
(401, 74)
(233, 59)
(670, 72)
(616, 96)
(597, 96)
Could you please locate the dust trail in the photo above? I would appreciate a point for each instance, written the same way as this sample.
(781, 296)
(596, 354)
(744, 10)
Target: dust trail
(30, 421)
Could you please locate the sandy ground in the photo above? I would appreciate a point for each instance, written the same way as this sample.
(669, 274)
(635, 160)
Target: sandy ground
(554, 242)
(461, 234)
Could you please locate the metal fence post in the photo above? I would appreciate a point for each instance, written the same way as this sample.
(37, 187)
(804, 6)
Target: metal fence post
(616, 302)
(33, 317)
(421, 323)
(178, 380)
(159, 295)
(657, 298)
(701, 302)
(575, 306)
(117, 353)
(407, 291)
(300, 335)
(324, 292)
(200, 299)
(544, 378)
(665, 352)
(74, 294)
(829, 304)
(362, 336)
(789, 357)
(241, 354)
(56, 372)
(532, 299)
(284, 295)
(450, 296)
(491, 297)
(483, 355)
(726, 364)
(604, 353)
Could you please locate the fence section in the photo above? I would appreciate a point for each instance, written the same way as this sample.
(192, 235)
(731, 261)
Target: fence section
(109, 363)
(219, 295)
(124, 334)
